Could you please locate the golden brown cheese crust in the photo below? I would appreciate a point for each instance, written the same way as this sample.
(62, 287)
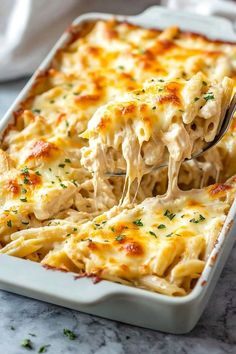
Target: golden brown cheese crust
(42, 149)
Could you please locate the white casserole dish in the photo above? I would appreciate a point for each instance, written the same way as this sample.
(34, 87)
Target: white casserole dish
(107, 299)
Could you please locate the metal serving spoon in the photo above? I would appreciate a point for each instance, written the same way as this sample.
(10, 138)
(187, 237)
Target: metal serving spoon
(225, 123)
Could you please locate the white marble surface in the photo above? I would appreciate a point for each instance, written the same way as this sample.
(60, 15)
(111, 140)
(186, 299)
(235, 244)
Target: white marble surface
(215, 332)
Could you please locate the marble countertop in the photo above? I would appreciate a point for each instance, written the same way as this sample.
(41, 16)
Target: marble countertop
(42, 323)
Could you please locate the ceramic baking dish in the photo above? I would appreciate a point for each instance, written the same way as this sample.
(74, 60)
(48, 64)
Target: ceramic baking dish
(112, 300)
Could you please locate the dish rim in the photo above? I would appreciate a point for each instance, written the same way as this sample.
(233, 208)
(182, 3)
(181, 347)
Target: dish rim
(204, 280)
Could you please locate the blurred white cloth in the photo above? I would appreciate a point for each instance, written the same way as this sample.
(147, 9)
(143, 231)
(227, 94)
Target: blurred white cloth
(29, 28)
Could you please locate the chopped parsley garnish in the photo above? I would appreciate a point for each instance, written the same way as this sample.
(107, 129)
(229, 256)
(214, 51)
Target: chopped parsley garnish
(152, 233)
(51, 101)
(161, 226)
(63, 185)
(24, 200)
(67, 124)
(204, 83)
(15, 211)
(98, 226)
(25, 180)
(25, 170)
(23, 190)
(120, 237)
(161, 80)
(76, 93)
(74, 182)
(181, 110)
(196, 221)
(67, 160)
(209, 96)
(26, 343)
(121, 67)
(196, 99)
(75, 229)
(38, 173)
(43, 349)
(169, 235)
(138, 222)
(37, 110)
(50, 169)
(68, 235)
(62, 165)
(9, 223)
(68, 333)
(112, 229)
(153, 108)
(169, 215)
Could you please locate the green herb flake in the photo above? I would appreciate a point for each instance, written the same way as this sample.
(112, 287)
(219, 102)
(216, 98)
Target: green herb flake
(25, 170)
(26, 343)
(196, 99)
(25, 180)
(51, 101)
(152, 233)
(74, 182)
(61, 165)
(169, 235)
(209, 96)
(75, 229)
(37, 110)
(23, 190)
(44, 348)
(138, 222)
(161, 80)
(38, 173)
(120, 237)
(68, 333)
(112, 229)
(63, 185)
(15, 211)
(181, 110)
(24, 200)
(9, 223)
(67, 160)
(204, 83)
(153, 108)
(196, 221)
(68, 235)
(161, 226)
(169, 215)
(121, 67)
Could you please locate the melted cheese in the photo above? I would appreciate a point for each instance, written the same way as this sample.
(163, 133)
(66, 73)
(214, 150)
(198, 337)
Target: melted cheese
(173, 119)
(47, 195)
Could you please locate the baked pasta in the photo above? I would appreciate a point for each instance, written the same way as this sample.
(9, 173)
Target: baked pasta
(50, 208)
